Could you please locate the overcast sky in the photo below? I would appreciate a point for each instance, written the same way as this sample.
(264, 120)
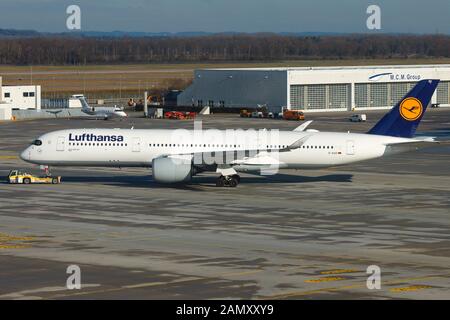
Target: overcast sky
(411, 16)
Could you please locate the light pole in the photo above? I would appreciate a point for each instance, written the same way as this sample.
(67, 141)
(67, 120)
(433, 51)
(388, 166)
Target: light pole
(120, 88)
(139, 88)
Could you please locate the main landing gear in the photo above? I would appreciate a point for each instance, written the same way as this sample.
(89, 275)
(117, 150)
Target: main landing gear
(228, 181)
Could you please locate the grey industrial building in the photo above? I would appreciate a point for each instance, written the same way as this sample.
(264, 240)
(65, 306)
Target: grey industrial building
(312, 89)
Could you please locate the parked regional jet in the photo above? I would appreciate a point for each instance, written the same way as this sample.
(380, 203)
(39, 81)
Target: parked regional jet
(104, 113)
(177, 155)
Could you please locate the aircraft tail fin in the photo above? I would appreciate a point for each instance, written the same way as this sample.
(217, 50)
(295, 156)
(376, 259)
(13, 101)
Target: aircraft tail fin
(405, 116)
(84, 104)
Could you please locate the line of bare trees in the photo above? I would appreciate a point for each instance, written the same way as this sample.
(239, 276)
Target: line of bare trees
(76, 51)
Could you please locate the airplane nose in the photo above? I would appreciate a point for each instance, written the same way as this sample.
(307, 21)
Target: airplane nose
(25, 155)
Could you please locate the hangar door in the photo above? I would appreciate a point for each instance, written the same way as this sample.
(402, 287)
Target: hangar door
(383, 94)
(320, 96)
(442, 92)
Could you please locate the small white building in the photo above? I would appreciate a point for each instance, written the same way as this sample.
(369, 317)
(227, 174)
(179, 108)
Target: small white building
(22, 97)
(314, 88)
(5, 109)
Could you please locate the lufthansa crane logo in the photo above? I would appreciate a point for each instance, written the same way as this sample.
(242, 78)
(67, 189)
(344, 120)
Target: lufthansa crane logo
(411, 109)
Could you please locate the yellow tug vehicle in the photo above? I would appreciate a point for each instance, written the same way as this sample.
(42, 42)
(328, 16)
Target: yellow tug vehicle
(20, 177)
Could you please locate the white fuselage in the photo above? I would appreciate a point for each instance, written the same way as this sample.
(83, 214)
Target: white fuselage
(137, 148)
(105, 112)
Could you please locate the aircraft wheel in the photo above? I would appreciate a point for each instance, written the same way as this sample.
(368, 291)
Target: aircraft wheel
(220, 182)
(237, 177)
(233, 182)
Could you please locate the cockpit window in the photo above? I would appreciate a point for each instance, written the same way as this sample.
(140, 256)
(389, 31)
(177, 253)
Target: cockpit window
(37, 142)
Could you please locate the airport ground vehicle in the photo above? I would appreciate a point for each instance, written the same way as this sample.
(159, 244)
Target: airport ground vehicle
(178, 115)
(293, 115)
(258, 114)
(264, 113)
(358, 118)
(21, 177)
(245, 113)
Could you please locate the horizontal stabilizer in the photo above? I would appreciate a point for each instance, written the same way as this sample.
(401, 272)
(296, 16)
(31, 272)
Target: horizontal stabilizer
(413, 143)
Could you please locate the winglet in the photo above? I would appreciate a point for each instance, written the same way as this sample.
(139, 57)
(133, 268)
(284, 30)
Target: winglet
(298, 144)
(303, 126)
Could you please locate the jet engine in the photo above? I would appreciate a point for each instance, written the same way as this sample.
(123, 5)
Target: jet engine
(172, 169)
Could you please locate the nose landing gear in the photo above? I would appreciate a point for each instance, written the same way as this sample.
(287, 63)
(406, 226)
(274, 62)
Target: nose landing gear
(46, 170)
(228, 181)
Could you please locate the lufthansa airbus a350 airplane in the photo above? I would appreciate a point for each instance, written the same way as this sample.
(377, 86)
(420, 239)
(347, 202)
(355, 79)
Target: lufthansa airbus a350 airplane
(177, 155)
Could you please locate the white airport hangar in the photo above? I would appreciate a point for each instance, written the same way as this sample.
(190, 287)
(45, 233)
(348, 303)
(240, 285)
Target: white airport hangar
(312, 89)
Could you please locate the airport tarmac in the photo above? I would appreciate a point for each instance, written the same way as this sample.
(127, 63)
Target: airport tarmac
(295, 235)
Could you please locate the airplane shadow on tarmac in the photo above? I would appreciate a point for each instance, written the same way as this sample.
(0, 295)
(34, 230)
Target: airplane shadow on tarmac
(204, 181)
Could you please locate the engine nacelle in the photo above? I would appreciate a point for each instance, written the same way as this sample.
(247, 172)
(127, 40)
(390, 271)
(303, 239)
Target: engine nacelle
(172, 170)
